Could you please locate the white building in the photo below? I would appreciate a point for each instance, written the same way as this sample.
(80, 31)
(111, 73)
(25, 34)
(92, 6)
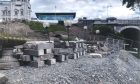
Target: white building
(15, 10)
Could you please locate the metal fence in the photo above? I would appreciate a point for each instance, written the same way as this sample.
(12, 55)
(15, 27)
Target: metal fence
(114, 45)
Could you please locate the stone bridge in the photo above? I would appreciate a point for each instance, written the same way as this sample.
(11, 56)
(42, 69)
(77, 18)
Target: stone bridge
(119, 24)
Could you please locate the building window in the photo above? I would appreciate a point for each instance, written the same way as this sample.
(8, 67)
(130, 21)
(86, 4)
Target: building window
(6, 8)
(45, 51)
(9, 12)
(16, 12)
(3, 19)
(22, 13)
(3, 12)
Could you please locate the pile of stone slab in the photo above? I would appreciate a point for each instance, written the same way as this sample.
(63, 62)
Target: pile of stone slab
(37, 54)
(80, 49)
(73, 50)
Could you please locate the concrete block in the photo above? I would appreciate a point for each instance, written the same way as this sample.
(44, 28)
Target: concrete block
(36, 58)
(47, 56)
(25, 58)
(30, 52)
(50, 61)
(96, 55)
(60, 58)
(84, 52)
(73, 56)
(78, 55)
(3, 79)
(66, 57)
(37, 64)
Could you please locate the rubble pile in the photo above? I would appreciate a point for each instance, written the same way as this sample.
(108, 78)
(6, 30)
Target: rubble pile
(117, 68)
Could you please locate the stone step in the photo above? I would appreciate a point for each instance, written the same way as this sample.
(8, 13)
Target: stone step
(8, 61)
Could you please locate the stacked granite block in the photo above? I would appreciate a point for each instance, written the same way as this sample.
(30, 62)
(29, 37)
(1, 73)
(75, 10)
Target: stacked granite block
(60, 58)
(37, 64)
(50, 61)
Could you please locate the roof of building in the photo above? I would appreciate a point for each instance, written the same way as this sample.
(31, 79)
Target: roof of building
(57, 13)
(111, 18)
(56, 16)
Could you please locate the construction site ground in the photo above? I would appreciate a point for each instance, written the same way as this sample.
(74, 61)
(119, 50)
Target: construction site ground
(117, 68)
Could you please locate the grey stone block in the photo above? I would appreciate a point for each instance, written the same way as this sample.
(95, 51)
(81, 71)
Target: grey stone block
(84, 52)
(30, 52)
(50, 61)
(37, 64)
(47, 56)
(60, 58)
(3, 79)
(45, 45)
(78, 55)
(66, 57)
(73, 56)
(36, 58)
(26, 58)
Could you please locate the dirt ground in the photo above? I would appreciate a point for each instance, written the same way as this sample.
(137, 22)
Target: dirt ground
(117, 68)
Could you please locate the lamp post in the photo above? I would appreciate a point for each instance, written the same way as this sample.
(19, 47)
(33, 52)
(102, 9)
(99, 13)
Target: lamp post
(97, 32)
(85, 28)
(67, 25)
(46, 26)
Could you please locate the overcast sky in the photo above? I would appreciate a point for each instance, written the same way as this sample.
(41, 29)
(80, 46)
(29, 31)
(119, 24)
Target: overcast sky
(84, 8)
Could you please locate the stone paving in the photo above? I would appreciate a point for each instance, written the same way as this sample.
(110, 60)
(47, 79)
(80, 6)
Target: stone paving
(118, 68)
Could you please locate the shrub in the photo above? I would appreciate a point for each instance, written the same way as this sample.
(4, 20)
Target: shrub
(9, 43)
(57, 27)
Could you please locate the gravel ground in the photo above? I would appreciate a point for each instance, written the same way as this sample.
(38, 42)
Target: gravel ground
(118, 68)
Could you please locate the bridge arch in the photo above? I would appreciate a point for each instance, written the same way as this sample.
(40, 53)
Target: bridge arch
(128, 27)
(132, 35)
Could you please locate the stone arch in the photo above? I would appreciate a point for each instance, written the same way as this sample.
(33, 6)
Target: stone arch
(127, 27)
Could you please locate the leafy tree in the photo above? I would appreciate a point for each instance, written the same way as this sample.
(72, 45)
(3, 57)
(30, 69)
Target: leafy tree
(131, 3)
(104, 29)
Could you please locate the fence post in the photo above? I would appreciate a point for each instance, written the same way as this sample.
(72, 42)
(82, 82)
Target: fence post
(138, 49)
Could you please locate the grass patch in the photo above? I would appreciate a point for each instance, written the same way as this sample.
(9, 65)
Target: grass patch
(36, 26)
(58, 27)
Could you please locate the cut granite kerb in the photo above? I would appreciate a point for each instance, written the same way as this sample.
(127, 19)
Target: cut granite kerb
(38, 48)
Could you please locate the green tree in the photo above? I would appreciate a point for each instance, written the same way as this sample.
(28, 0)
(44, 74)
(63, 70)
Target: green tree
(105, 30)
(131, 3)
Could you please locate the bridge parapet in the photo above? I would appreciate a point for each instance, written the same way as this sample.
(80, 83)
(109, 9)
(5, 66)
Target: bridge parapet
(128, 22)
